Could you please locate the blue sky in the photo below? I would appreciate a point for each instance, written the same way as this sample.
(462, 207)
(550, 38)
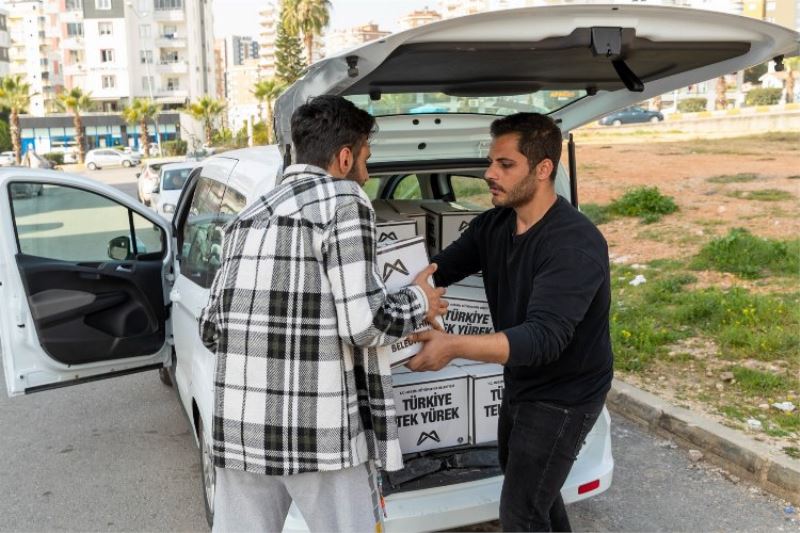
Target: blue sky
(240, 17)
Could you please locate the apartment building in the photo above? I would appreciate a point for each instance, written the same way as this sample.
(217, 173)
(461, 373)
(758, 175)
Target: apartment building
(242, 104)
(5, 44)
(340, 40)
(266, 40)
(418, 18)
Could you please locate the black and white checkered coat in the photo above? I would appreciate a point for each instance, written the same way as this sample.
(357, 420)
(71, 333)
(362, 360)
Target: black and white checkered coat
(294, 308)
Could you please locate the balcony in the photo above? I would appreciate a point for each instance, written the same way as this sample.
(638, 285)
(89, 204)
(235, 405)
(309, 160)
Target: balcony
(170, 41)
(76, 69)
(170, 92)
(72, 43)
(173, 67)
(169, 15)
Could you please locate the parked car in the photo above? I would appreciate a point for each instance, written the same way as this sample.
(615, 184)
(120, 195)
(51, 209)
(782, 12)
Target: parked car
(630, 115)
(108, 157)
(171, 179)
(147, 179)
(7, 159)
(150, 277)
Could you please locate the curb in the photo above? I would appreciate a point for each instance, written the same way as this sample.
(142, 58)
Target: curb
(722, 446)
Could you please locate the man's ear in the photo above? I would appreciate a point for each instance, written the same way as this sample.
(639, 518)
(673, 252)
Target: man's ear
(544, 169)
(345, 159)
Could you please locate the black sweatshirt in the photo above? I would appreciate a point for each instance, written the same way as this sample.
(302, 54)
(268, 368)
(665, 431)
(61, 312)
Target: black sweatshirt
(549, 292)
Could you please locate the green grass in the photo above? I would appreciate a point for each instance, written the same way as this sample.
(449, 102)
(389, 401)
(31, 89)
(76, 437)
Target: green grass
(763, 384)
(599, 214)
(764, 195)
(733, 178)
(645, 202)
(792, 451)
(742, 253)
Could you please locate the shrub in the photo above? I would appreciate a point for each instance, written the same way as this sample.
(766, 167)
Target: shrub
(763, 96)
(692, 105)
(748, 256)
(598, 214)
(57, 158)
(645, 202)
(174, 148)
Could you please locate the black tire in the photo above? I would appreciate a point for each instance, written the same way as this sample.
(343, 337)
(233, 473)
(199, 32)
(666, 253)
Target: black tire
(208, 478)
(127, 164)
(165, 377)
(91, 166)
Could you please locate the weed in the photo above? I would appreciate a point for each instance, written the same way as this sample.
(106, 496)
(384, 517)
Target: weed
(733, 178)
(796, 177)
(748, 256)
(758, 383)
(792, 451)
(645, 202)
(764, 195)
(599, 214)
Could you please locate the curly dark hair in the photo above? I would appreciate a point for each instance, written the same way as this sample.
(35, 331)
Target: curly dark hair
(539, 137)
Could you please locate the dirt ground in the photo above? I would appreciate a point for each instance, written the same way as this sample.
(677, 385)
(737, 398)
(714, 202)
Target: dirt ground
(607, 167)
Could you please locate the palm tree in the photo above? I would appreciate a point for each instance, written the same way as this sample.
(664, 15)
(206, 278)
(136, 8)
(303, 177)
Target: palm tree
(141, 111)
(721, 101)
(206, 109)
(76, 101)
(308, 17)
(792, 71)
(266, 91)
(15, 95)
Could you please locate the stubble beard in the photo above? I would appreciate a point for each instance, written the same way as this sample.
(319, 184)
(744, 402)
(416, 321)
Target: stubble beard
(521, 194)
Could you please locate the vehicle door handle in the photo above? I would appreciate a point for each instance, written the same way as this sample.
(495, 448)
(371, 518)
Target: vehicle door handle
(125, 269)
(175, 295)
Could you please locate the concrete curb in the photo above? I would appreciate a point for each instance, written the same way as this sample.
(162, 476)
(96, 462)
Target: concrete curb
(722, 446)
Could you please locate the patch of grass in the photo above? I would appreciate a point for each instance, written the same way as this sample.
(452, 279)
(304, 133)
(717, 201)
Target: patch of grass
(733, 178)
(796, 177)
(748, 256)
(732, 411)
(645, 202)
(763, 195)
(792, 451)
(599, 214)
(758, 383)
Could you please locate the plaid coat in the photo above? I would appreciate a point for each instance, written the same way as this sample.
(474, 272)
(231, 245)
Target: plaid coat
(293, 311)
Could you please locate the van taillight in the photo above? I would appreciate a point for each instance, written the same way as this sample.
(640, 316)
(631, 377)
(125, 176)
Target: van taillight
(589, 487)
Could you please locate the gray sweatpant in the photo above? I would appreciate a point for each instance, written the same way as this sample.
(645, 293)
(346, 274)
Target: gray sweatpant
(343, 500)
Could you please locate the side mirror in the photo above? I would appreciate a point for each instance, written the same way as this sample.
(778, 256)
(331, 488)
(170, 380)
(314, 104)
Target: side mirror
(138, 174)
(119, 248)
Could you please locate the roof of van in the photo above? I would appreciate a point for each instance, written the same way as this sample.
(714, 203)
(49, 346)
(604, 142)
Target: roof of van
(256, 169)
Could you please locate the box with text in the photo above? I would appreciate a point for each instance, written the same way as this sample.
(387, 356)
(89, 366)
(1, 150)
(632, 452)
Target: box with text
(446, 222)
(486, 388)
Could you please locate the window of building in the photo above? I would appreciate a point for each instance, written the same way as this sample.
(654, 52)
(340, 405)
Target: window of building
(144, 31)
(73, 5)
(146, 56)
(169, 57)
(105, 28)
(102, 4)
(75, 29)
(109, 82)
(144, 5)
(173, 84)
(147, 83)
(3, 54)
(106, 56)
(3, 25)
(162, 5)
(169, 31)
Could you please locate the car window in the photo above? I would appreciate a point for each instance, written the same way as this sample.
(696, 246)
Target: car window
(471, 190)
(59, 222)
(202, 232)
(408, 188)
(174, 179)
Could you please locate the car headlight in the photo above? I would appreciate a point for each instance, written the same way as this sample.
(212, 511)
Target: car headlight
(169, 208)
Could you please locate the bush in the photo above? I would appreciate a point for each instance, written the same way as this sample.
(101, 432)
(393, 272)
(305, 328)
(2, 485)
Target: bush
(692, 105)
(57, 158)
(645, 202)
(173, 148)
(748, 256)
(763, 96)
(5, 136)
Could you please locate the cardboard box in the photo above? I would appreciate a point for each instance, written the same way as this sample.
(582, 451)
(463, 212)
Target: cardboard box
(399, 263)
(468, 312)
(486, 389)
(412, 209)
(392, 226)
(432, 409)
(446, 222)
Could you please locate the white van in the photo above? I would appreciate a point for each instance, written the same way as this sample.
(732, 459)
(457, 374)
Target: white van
(107, 287)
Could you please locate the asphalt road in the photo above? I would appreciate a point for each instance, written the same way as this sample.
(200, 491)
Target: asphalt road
(118, 455)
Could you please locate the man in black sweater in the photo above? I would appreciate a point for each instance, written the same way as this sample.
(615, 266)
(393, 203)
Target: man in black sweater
(546, 274)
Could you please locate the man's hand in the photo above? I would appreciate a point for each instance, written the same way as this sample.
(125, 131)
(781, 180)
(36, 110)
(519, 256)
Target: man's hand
(436, 305)
(437, 352)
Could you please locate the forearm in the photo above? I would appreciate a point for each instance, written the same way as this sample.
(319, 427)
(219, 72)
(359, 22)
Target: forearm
(492, 348)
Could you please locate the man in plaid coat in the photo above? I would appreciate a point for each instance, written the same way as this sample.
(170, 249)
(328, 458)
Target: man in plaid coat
(303, 407)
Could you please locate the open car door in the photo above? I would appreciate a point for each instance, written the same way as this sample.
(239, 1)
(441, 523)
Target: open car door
(83, 270)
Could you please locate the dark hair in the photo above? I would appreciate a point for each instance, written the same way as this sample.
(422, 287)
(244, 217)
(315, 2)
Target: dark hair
(539, 137)
(326, 124)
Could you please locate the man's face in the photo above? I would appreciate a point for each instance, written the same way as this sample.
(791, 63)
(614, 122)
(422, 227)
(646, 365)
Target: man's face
(358, 172)
(511, 180)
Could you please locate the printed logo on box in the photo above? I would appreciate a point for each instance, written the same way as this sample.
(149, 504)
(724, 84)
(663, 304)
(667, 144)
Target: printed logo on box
(390, 268)
(391, 236)
(464, 225)
(425, 436)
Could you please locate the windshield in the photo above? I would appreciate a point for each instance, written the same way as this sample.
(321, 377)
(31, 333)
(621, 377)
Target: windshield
(419, 103)
(173, 180)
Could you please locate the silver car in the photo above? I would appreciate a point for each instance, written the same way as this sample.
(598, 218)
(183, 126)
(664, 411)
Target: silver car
(108, 157)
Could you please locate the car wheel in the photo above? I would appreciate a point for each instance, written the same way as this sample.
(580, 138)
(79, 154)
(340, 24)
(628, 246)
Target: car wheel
(91, 166)
(617, 122)
(208, 475)
(163, 375)
(127, 164)
(654, 119)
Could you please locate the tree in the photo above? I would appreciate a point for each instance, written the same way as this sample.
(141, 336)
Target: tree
(307, 16)
(16, 96)
(289, 64)
(76, 101)
(141, 111)
(207, 110)
(266, 91)
(792, 71)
